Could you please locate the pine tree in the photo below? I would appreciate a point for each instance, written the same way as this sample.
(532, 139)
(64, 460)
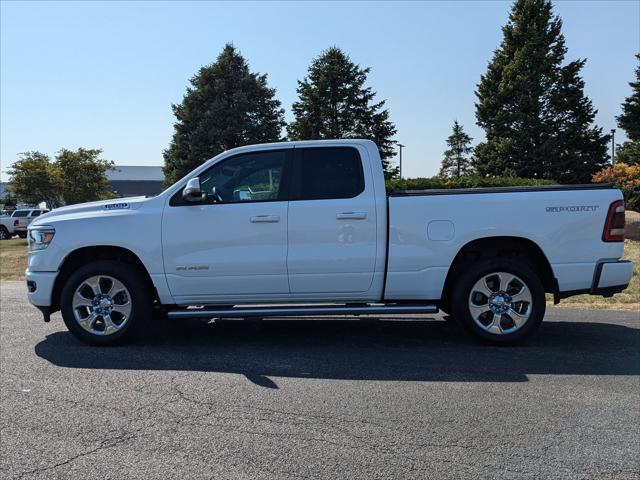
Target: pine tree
(457, 158)
(629, 120)
(537, 120)
(226, 106)
(334, 103)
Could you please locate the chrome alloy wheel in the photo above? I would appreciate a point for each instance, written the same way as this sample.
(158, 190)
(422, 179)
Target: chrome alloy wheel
(500, 303)
(101, 305)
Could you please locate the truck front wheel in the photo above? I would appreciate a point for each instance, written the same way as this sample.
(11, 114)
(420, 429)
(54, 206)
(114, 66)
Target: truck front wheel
(105, 302)
(500, 300)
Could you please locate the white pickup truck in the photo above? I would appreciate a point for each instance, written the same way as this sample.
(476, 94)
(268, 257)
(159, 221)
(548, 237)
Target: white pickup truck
(17, 222)
(307, 228)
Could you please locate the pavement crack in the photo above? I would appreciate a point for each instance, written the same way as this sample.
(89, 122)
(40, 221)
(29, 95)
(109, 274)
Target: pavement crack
(104, 444)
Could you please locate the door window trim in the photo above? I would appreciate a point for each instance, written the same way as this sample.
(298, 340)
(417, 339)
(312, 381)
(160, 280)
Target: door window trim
(285, 181)
(296, 184)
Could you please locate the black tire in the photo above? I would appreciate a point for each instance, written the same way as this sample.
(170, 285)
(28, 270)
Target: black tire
(22, 234)
(140, 298)
(461, 303)
(4, 233)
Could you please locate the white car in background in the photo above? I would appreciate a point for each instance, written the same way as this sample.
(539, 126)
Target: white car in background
(18, 221)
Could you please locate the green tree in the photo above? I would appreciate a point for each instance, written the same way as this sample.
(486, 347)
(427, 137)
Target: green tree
(629, 119)
(537, 119)
(333, 102)
(457, 158)
(628, 152)
(226, 106)
(34, 179)
(84, 175)
(9, 199)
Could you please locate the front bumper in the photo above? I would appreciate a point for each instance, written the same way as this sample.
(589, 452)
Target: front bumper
(40, 287)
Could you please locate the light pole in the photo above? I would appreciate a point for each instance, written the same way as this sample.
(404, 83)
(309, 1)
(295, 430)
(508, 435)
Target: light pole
(401, 147)
(613, 146)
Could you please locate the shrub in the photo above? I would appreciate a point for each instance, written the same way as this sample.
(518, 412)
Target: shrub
(462, 182)
(626, 178)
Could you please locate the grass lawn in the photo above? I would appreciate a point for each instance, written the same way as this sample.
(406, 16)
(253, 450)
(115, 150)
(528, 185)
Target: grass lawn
(13, 263)
(13, 259)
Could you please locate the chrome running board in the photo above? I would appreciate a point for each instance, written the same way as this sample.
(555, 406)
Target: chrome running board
(301, 311)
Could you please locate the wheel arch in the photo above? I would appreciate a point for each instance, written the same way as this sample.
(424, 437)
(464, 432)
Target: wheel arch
(83, 255)
(515, 247)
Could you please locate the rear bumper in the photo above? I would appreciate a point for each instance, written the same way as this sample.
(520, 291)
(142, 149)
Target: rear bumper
(610, 277)
(40, 287)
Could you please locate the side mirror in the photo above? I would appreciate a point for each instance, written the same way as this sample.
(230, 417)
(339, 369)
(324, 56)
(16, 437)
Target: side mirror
(192, 192)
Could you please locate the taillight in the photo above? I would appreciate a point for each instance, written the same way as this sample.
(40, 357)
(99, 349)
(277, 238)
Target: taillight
(15, 223)
(614, 225)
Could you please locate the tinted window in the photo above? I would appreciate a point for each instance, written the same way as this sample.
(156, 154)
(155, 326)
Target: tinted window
(35, 213)
(245, 178)
(20, 213)
(330, 173)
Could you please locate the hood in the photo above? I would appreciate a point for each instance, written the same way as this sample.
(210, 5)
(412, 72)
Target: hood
(105, 206)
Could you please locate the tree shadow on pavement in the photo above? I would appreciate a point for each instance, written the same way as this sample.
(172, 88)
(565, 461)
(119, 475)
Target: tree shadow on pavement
(358, 350)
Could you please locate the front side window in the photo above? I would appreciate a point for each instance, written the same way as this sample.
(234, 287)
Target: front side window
(35, 213)
(250, 177)
(329, 173)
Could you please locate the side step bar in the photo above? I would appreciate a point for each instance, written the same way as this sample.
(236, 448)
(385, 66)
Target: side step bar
(300, 311)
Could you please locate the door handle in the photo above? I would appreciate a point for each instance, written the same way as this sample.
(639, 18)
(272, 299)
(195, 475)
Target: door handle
(265, 219)
(352, 216)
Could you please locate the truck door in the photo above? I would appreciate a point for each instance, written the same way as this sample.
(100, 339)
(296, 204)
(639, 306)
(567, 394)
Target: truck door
(332, 222)
(233, 245)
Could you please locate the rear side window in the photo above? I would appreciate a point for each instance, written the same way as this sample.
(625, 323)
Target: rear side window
(20, 213)
(326, 173)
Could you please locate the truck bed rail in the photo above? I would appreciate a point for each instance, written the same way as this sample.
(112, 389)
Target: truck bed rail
(475, 190)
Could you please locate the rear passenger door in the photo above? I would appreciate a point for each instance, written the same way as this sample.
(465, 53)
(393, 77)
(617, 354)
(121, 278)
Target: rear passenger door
(332, 223)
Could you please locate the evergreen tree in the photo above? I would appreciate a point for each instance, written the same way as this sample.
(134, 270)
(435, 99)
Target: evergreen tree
(226, 106)
(457, 158)
(334, 103)
(537, 120)
(628, 152)
(629, 120)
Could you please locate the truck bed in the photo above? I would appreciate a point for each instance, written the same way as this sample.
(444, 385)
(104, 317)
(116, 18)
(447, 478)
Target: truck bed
(427, 228)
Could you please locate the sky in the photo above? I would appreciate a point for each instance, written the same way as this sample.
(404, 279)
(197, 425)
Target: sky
(104, 75)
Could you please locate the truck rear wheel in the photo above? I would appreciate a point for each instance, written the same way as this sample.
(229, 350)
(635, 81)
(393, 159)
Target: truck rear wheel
(105, 302)
(499, 300)
(4, 233)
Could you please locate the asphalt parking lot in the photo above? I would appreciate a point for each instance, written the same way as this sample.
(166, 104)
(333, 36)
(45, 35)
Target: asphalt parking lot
(320, 399)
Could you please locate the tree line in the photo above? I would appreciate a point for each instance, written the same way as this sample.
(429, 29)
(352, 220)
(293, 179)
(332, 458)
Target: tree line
(228, 106)
(72, 176)
(538, 122)
(531, 104)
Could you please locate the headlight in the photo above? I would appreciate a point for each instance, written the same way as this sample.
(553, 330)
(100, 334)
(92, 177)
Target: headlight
(39, 238)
